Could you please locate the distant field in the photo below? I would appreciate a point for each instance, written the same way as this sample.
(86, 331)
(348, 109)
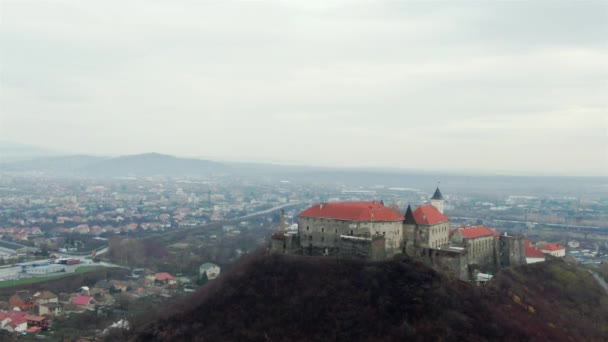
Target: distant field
(18, 282)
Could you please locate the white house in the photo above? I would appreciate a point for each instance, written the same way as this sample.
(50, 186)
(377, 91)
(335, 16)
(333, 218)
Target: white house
(212, 270)
(533, 253)
(554, 250)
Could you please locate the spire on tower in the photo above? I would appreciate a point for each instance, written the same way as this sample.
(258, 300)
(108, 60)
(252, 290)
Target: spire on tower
(437, 195)
(437, 200)
(409, 216)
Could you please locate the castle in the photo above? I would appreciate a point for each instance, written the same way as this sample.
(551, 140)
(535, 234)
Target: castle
(371, 231)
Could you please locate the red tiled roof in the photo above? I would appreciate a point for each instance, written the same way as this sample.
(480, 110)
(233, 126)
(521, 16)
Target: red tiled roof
(428, 214)
(532, 251)
(164, 276)
(82, 300)
(35, 318)
(552, 247)
(475, 231)
(355, 211)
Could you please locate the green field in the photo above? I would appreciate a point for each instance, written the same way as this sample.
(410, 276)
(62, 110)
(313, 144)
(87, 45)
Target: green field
(17, 282)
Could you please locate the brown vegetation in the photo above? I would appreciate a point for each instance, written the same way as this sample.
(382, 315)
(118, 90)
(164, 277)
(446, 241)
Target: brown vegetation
(270, 297)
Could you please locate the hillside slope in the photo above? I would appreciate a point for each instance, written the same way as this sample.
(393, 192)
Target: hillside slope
(278, 298)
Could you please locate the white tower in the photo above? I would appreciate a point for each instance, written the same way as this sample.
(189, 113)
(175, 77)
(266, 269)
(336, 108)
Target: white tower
(437, 200)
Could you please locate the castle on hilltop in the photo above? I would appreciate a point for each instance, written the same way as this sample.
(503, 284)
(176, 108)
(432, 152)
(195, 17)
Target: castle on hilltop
(371, 231)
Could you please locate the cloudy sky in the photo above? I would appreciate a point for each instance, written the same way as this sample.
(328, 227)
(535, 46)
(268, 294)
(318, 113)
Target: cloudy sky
(493, 86)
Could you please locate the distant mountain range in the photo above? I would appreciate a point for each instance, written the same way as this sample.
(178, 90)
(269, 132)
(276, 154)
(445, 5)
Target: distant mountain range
(139, 165)
(155, 164)
(10, 152)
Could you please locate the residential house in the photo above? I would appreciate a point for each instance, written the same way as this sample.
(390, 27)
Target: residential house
(83, 300)
(554, 249)
(120, 285)
(149, 280)
(164, 278)
(19, 321)
(48, 303)
(13, 321)
(533, 253)
(22, 300)
(210, 269)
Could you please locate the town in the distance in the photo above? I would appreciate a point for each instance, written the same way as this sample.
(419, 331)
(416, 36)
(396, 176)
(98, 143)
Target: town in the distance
(81, 253)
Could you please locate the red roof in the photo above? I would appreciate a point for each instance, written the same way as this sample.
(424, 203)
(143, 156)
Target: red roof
(428, 214)
(82, 300)
(164, 276)
(35, 318)
(532, 251)
(353, 211)
(475, 231)
(552, 247)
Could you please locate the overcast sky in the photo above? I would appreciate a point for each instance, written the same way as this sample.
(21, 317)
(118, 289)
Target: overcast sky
(497, 86)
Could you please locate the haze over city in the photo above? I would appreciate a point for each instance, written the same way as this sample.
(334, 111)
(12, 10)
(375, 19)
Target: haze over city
(508, 87)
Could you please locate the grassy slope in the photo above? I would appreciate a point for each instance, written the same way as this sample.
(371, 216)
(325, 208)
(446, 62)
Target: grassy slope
(302, 298)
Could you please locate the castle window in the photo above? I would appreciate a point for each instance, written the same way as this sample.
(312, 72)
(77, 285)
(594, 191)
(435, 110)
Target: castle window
(322, 239)
(336, 231)
(322, 229)
(306, 227)
(310, 237)
(351, 232)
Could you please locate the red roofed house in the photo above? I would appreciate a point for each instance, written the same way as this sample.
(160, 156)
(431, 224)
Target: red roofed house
(23, 300)
(480, 242)
(19, 321)
(13, 321)
(425, 227)
(533, 253)
(554, 250)
(322, 227)
(165, 278)
(83, 300)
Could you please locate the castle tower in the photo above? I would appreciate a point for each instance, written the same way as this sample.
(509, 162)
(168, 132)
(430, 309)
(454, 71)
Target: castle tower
(283, 223)
(437, 200)
(409, 232)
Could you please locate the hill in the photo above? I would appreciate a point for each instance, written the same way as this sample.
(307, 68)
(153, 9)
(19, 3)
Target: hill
(151, 164)
(12, 151)
(59, 165)
(141, 165)
(289, 298)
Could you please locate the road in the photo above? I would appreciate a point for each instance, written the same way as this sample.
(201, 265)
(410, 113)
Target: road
(600, 280)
